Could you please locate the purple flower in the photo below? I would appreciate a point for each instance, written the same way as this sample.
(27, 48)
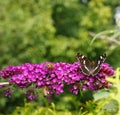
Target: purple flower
(31, 95)
(54, 76)
(8, 93)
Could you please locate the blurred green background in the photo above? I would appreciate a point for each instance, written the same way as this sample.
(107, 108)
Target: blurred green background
(36, 31)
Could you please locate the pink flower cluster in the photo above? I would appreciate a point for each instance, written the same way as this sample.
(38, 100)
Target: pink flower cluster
(54, 76)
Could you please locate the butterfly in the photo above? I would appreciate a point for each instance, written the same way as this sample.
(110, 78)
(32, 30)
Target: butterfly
(89, 67)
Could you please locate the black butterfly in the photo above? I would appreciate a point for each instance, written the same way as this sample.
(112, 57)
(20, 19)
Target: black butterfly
(89, 67)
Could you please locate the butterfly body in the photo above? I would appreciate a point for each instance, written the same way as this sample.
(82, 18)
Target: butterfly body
(89, 67)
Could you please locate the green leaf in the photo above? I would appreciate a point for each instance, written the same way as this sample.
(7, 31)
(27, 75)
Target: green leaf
(101, 94)
(111, 107)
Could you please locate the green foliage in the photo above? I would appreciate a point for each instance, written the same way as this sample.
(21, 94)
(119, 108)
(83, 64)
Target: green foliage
(36, 31)
(112, 36)
(33, 109)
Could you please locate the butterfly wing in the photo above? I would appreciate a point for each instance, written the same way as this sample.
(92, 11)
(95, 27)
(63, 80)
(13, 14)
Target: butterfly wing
(97, 63)
(88, 67)
(85, 64)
